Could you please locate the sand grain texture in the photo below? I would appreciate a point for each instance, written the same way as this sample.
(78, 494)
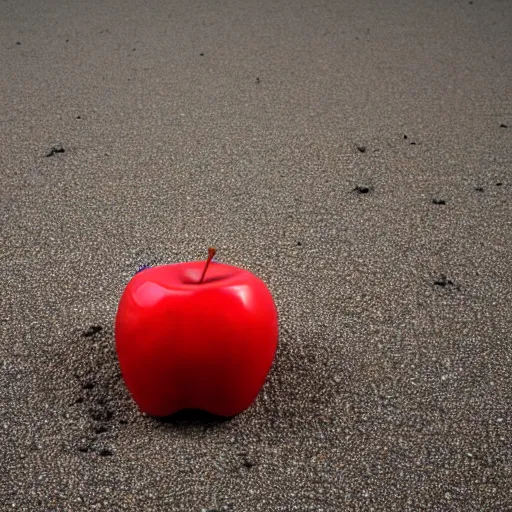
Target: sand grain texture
(142, 132)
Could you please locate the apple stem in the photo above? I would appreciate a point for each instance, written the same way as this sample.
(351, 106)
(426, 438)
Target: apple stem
(211, 254)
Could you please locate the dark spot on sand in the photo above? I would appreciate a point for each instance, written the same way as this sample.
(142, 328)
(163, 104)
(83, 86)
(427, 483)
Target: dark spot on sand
(361, 149)
(93, 329)
(96, 415)
(299, 243)
(413, 143)
(123, 422)
(479, 189)
(79, 400)
(438, 201)
(443, 282)
(86, 447)
(55, 149)
(105, 452)
(503, 125)
(248, 463)
(67, 40)
(499, 184)
(88, 385)
(18, 43)
(360, 189)
(257, 79)
(201, 54)
(133, 49)
(79, 117)
(101, 429)
(100, 414)
(405, 136)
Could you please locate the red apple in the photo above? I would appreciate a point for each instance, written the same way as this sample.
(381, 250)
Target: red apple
(194, 335)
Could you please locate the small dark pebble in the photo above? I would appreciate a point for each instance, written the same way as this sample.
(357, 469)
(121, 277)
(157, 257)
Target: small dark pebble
(93, 329)
(362, 149)
(362, 190)
(499, 184)
(443, 282)
(105, 452)
(54, 150)
(248, 464)
(79, 400)
(257, 79)
(413, 143)
(503, 125)
(17, 42)
(438, 201)
(88, 385)
(299, 243)
(201, 54)
(405, 136)
(479, 189)
(79, 117)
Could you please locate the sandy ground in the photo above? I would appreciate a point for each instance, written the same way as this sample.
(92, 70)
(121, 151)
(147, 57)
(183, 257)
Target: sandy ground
(355, 156)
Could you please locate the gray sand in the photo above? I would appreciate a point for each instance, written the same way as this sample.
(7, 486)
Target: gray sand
(237, 124)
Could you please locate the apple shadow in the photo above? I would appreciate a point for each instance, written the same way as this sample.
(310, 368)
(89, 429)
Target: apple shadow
(192, 418)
